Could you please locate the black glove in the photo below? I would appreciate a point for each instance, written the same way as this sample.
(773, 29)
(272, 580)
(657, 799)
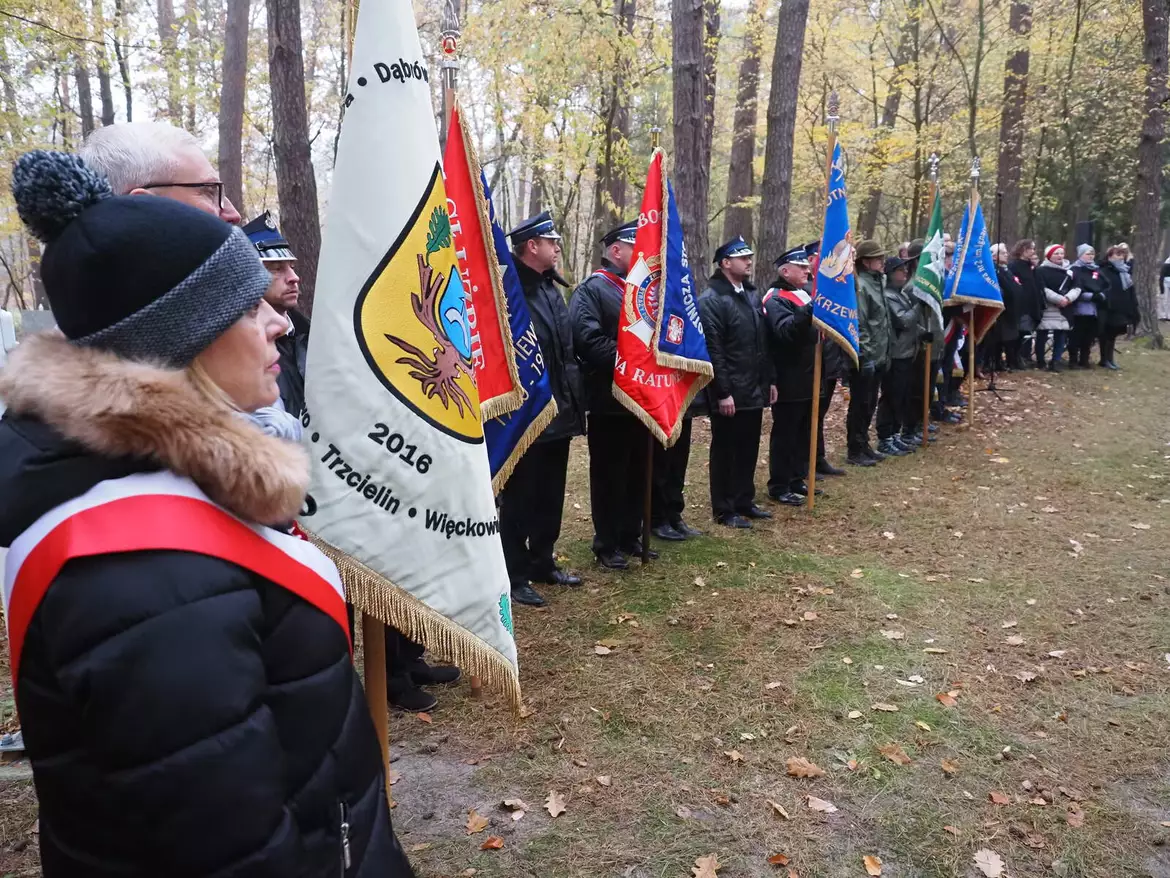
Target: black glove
(1099, 298)
(868, 368)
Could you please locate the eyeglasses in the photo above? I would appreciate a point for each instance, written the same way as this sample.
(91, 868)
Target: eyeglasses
(214, 189)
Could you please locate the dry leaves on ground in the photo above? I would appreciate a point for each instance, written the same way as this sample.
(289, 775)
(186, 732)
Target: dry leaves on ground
(885, 708)
(778, 809)
(601, 650)
(822, 805)
(476, 822)
(946, 699)
(893, 635)
(424, 717)
(518, 807)
(1075, 816)
(706, 867)
(949, 767)
(555, 804)
(798, 766)
(873, 865)
(733, 755)
(998, 798)
(989, 863)
(604, 779)
(493, 843)
(895, 754)
(778, 860)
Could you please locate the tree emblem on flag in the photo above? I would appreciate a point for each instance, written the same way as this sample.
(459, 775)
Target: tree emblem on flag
(411, 321)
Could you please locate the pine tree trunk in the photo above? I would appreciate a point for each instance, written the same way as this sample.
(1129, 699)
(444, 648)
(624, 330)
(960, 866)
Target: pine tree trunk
(296, 184)
(694, 78)
(231, 102)
(1011, 126)
(169, 47)
(776, 192)
(84, 96)
(741, 177)
(1147, 203)
(105, 90)
(121, 52)
(609, 199)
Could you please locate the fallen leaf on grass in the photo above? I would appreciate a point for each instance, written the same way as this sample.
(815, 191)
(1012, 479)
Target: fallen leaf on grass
(421, 846)
(700, 582)
(946, 699)
(893, 635)
(778, 809)
(857, 574)
(873, 865)
(798, 766)
(775, 684)
(846, 660)
(1050, 509)
(493, 843)
(601, 650)
(1137, 525)
(1025, 676)
(924, 726)
(1010, 623)
(526, 711)
(425, 717)
(555, 804)
(393, 777)
(1075, 816)
(777, 860)
(888, 534)
(934, 650)
(733, 755)
(885, 708)
(683, 811)
(895, 754)
(810, 616)
(989, 863)
(951, 829)
(855, 714)
(518, 807)
(706, 867)
(949, 767)
(998, 798)
(604, 779)
(822, 805)
(1014, 640)
(476, 822)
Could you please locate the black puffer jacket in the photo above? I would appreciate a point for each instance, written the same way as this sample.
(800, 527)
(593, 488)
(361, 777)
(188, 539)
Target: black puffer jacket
(792, 340)
(1121, 305)
(554, 331)
(1032, 298)
(183, 715)
(737, 341)
(595, 310)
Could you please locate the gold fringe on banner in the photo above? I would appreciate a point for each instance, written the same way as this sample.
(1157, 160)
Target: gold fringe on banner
(838, 338)
(530, 435)
(372, 593)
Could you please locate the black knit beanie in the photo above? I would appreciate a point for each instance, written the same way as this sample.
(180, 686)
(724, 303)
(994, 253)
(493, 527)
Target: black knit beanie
(144, 277)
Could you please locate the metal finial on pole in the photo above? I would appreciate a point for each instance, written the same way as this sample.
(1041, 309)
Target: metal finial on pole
(655, 134)
(449, 46)
(933, 164)
(833, 116)
(975, 170)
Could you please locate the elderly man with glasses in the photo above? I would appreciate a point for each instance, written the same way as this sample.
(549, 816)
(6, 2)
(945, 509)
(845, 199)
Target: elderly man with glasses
(156, 158)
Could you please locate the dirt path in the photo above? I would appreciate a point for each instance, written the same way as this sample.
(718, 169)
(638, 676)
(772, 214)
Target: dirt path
(971, 643)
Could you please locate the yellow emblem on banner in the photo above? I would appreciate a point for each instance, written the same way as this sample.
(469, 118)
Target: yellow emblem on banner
(411, 321)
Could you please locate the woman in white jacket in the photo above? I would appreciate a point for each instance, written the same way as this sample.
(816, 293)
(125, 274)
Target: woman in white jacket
(1055, 280)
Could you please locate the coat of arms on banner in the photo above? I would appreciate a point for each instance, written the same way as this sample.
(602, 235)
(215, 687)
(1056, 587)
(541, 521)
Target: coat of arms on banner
(425, 362)
(642, 306)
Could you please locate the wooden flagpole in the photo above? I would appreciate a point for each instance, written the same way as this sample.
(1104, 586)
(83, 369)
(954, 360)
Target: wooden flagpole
(831, 119)
(971, 310)
(927, 369)
(648, 494)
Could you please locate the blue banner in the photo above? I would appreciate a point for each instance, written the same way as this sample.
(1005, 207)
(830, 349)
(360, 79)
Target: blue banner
(835, 298)
(510, 435)
(680, 339)
(972, 279)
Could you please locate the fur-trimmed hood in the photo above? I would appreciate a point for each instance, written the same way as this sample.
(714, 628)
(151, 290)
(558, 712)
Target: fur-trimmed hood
(117, 408)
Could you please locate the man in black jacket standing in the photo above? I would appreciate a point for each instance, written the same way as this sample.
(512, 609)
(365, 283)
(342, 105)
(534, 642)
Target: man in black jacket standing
(792, 341)
(617, 440)
(733, 323)
(532, 502)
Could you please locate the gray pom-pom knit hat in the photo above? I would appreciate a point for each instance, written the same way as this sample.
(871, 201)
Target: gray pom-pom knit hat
(143, 277)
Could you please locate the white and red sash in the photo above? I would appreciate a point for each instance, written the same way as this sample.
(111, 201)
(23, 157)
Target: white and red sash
(796, 297)
(150, 512)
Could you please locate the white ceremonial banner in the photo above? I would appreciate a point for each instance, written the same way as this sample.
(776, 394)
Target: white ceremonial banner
(401, 494)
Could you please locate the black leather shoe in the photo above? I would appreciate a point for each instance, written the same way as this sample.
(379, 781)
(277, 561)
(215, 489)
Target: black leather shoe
(801, 488)
(668, 533)
(860, 459)
(559, 577)
(755, 511)
(613, 561)
(422, 674)
(788, 498)
(635, 551)
(824, 468)
(527, 595)
(737, 521)
(873, 454)
(686, 530)
(404, 695)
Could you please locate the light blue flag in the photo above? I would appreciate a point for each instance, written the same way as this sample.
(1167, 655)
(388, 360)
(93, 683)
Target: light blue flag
(835, 299)
(972, 280)
(509, 436)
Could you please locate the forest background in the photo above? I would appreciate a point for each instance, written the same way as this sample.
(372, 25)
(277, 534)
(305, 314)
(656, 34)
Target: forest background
(1063, 100)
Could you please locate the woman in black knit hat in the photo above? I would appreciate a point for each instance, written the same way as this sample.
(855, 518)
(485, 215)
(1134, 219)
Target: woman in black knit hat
(181, 667)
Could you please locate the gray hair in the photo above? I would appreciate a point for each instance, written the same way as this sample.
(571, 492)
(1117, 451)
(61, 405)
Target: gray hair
(134, 154)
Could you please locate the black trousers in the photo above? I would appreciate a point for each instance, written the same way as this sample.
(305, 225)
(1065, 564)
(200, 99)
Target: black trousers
(788, 445)
(893, 411)
(1081, 338)
(827, 391)
(735, 448)
(402, 654)
(531, 506)
(948, 393)
(617, 481)
(917, 393)
(669, 479)
(863, 398)
(1108, 342)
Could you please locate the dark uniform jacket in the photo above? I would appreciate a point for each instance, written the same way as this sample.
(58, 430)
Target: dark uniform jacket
(873, 318)
(737, 341)
(183, 715)
(1015, 300)
(792, 340)
(595, 310)
(550, 317)
(293, 350)
(1032, 299)
(1121, 306)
